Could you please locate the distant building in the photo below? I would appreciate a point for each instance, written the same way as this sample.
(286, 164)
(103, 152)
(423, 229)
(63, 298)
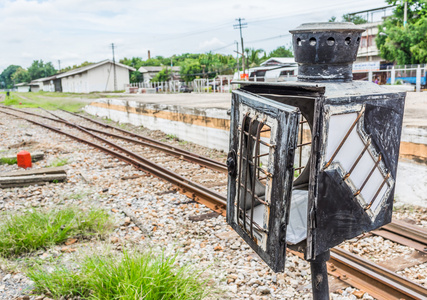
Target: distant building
(275, 69)
(97, 77)
(278, 61)
(368, 50)
(149, 72)
(368, 59)
(26, 87)
(50, 84)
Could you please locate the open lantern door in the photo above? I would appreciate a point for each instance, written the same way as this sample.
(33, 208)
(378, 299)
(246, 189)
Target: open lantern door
(263, 139)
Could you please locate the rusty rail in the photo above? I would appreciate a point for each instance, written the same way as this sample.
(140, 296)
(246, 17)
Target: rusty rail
(183, 154)
(210, 198)
(356, 271)
(369, 277)
(210, 163)
(404, 234)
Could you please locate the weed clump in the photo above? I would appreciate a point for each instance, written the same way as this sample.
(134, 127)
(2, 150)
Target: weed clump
(59, 162)
(8, 161)
(131, 276)
(35, 229)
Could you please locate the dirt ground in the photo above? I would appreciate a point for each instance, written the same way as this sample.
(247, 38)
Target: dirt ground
(416, 110)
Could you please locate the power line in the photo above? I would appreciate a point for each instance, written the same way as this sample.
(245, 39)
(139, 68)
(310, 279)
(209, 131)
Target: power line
(302, 11)
(223, 47)
(270, 38)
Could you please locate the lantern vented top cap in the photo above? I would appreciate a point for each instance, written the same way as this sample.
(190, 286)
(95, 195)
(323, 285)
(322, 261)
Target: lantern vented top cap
(326, 26)
(326, 51)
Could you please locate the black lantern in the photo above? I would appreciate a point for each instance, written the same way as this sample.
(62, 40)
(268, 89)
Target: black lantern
(313, 163)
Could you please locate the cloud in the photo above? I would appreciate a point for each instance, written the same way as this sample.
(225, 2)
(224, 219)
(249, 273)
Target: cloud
(75, 31)
(211, 44)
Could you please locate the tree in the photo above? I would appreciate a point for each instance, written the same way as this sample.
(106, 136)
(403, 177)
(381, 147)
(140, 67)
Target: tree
(190, 69)
(253, 56)
(6, 76)
(84, 64)
(354, 19)
(192, 64)
(349, 18)
(38, 69)
(21, 75)
(404, 44)
(281, 51)
(163, 75)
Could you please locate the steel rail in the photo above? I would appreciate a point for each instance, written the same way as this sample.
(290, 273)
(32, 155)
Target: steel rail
(369, 277)
(397, 231)
(188, 156)
(146, 139)
(356, 271)
(210, 198)
(401, 233)
(405, 234)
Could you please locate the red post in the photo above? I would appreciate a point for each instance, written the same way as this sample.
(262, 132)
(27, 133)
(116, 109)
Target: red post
(24, 159)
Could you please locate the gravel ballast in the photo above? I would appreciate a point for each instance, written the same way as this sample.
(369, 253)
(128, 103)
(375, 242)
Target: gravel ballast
(96, 179)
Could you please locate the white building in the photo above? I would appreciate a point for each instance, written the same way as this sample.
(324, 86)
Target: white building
(148, 72)
(368, 50)
(97, 77)
(275, 69)
(279, 61)
(25, 87)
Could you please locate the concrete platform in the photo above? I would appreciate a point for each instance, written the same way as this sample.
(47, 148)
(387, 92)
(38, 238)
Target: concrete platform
(204, 100)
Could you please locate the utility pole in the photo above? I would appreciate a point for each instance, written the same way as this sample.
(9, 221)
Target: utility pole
(114, 67)
(237, 59)
(59, 65)
(405, 14)
(240, 26)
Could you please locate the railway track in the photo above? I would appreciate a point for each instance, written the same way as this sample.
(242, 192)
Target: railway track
(360, 273)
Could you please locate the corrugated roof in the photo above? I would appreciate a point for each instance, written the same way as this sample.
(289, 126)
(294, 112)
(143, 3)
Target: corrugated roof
(281, 60)
(144, 69)
(92, 66)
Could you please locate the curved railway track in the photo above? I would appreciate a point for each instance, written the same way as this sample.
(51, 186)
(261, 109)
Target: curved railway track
(356, 271)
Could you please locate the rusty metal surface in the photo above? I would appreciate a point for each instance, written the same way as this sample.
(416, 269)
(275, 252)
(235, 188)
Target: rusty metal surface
(405, 234)
(377, 281)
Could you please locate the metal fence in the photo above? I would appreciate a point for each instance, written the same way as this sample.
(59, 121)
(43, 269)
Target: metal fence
(205, 85)
(407, 74)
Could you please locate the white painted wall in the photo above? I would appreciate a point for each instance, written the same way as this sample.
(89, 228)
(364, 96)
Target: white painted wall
(205, 136)
(48, 86)
(75, 84)
(99, 79)
(23, 89)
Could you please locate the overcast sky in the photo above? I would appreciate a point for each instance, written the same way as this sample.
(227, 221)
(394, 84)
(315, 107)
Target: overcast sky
(74, 31)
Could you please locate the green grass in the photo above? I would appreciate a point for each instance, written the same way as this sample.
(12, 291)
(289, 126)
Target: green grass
(35, 229)
(50, 100)
(59, 162)
(131, 276)
(8, 161)
(172, 137)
